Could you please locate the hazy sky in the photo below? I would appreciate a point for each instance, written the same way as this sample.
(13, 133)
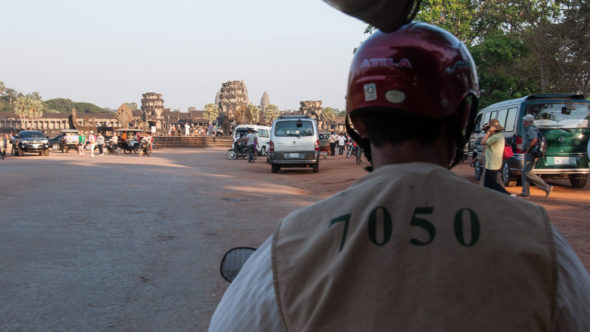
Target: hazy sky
(111, 51)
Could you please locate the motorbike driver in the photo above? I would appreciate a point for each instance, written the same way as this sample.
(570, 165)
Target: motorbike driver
(411, 246)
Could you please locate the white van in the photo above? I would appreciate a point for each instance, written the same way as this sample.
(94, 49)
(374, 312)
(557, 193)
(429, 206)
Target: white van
(294, 142)
(263, 133)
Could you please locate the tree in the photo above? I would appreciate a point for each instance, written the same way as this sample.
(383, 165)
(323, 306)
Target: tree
(502, 61)
(211, 112)
(270, 113)
(28, 107)
(59, 105)
(328, 114)
(253, 114)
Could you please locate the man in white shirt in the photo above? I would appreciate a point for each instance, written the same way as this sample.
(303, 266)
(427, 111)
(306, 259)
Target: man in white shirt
(341, 143)
(333, 139)
(251, 141)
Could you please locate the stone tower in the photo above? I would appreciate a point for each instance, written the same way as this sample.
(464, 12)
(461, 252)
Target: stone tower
(152, 107)
(232, 96)
(264, 101)
(311, 107)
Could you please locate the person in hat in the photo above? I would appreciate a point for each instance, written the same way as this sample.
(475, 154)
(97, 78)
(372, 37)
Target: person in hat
(411, 246)
(494, 145)
(530, 147)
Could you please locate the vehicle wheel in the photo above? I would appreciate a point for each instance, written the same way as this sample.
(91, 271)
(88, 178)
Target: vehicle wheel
(127, 151)
(231, 155)
(578, 181)
(478, 169)
(275, 168)
(55, 147)
(505, 174)
(315, 168)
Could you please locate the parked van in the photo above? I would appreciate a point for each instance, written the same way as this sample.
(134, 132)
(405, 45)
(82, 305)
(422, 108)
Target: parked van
(294, 142)
(263, 133)
(564, 119)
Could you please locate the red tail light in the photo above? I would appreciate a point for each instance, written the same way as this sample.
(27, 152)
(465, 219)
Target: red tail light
(519, 144)
(317, 145)
(272, 146)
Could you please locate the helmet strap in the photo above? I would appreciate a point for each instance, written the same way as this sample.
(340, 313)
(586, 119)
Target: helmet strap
(462, 138)
(364, 143)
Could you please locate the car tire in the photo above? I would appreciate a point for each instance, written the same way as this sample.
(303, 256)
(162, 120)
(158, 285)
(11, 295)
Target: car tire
(315, 168)
(578, 181)
(275, 168)
(478, 168)
(55, 147)
(505, 174)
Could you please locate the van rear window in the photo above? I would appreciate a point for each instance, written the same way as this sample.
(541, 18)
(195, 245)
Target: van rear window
(294, 128)
(566, 115)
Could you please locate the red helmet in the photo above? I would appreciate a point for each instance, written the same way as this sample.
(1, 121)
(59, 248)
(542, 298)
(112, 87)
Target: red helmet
(419, 68)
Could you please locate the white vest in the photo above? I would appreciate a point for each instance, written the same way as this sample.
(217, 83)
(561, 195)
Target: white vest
(414, 247)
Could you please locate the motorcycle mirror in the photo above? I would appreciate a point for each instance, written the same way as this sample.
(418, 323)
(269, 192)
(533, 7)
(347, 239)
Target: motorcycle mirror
(386, 15)
(233, 260)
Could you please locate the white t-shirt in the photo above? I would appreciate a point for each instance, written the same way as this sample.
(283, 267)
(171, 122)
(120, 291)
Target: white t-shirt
(251, 137)
(341, 140)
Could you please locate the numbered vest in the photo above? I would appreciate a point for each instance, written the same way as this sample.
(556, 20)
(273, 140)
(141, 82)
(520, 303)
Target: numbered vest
(413, 247)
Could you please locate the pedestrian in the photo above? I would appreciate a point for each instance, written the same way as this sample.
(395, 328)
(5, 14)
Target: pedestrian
(412, 245)
(5, 145)
(494, 143)
(530, 146)
(333, 139)
(251, 141)
(81, 143)
(153, 130)
(172, 130)
(341, 143)
(92, 143)
(100, 144)
(187, 128)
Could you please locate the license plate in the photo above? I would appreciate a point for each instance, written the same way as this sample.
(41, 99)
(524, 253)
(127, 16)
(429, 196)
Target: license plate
(563, 161)
(293, 155)
(36, 146)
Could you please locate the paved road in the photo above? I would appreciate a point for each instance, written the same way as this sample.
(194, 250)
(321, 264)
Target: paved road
(125, 243)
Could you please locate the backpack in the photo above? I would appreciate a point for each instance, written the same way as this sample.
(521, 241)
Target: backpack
(508, 153)
(541, 148)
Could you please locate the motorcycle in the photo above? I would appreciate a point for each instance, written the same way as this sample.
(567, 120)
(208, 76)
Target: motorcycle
(143, 148)
(238, 151)
(126, 147)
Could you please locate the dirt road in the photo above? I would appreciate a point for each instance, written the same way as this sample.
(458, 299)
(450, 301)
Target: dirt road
(128, 243)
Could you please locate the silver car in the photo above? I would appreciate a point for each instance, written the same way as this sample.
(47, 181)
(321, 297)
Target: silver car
(294, 142)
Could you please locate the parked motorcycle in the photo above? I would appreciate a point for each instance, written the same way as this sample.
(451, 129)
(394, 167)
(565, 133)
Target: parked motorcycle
(143, 148)
(239, 151)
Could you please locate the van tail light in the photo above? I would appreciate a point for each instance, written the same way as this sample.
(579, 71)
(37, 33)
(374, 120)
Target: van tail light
(271, 146)
(317, 145)
(519, 144)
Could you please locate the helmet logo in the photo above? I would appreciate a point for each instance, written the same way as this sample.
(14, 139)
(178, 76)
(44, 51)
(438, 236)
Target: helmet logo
(370, 92)
(386, 62)
(395, 96)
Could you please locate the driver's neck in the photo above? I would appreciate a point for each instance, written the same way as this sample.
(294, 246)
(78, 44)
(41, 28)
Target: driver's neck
(439, 152)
